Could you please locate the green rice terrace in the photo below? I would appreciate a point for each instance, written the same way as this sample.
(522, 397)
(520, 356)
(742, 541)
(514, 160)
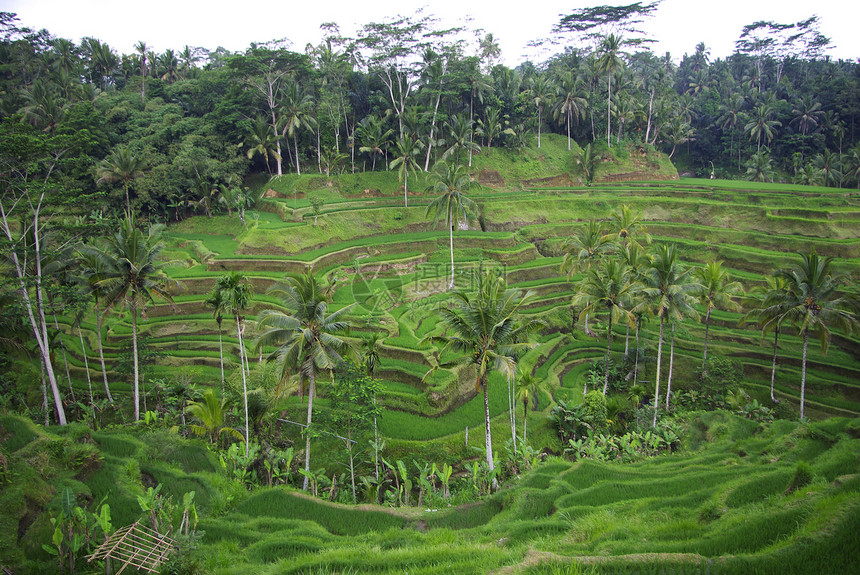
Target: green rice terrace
(727, 481)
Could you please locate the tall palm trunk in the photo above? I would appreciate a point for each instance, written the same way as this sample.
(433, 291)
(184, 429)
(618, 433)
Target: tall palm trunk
(609, 114)
(627, 342)
(135, 361)
(296, 147)
(671, 366)
(707, 326)
(773, 370)
(525, 419)
(221, 356)
(512, 413)
(803, 373)
(432, 130)
(606, 361)
(99, 318)
(86, 363)
(657, 388)
(244, 381)
(451, 242)
(488, 437)
(636, 362)
(311, 389)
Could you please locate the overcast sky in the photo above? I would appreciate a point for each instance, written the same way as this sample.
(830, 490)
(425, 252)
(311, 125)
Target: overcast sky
(678, 25)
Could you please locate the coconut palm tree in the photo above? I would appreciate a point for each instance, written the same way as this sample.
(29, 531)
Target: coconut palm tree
(296, 115)
(608, 286)
(461, 138)
(762, 125)
(487, 329)
(407, 151)
(91, 267)
(588, 244)
(669, 294)
(306, 337)
(372, 133)
(133, 275)
(527, 389)
(627, 227)
(451, 182)
(610, 62)
(209, 410)
(716, 289)
(541, 91)
(263, 141)
(217, 302)
(815, 304)
(771, 303)
(236, 293)
(120, 166)
(570, 106)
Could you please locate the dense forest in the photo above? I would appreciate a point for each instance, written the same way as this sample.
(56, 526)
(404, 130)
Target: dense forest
(179, 132)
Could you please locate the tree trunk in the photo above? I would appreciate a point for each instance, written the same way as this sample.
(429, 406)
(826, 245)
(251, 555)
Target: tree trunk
(606, 361)
(707, 326)
(352, 471)
(609, 114)
(221, 356)
(99, 319)
(511, 411)
(657, 381)
(405, 185)
(488, 438)
(773, 371)
(650, 111)
(627, 342)
(671, 366)
(432, 130)
(296, 148)
(65, 359)
(311, 389)
(525, 420)
(86, 363)
(244, 382)
(135, 360)
(44, 395)
(540, 113)
(451, 241)
(803, 373)
(636, 361)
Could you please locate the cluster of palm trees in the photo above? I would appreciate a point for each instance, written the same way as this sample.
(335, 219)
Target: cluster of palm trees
(620, 279)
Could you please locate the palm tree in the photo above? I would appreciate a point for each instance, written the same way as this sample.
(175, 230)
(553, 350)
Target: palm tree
(759, 167)
(461, 138)
(570, 106)
(372, 133)
(610, 62)
(488, 332)
(407, 150)
(772, 302)
(236, 293)
(296, 115)
(141, 48)
(627, 227)
(762, 125)
(306, 337)
(263, 141)
(527, 389)
(92, 270)
(806, 114)
(210, 410)
(133, 276)
(668, 293)
(828, 163)
(610, 287)
(169, 66)
(120, 166)
(815, 305)
(716, 291)
(451, 182)
(541, 91)
(217, 303)
(581, 251)
(370, 360)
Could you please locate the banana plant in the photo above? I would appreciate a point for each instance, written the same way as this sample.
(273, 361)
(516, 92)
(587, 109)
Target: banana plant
(423, 484)
(444, 475)
(189, 511)
(407, 482)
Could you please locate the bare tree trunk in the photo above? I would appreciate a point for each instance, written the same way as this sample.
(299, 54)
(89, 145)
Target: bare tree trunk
(44, 395)
(707, 325)
(244, 381)
(99, 318)
(657, 381)
(608, 348)
(803, 373)
(488, 439)
(451, 241)
(86, 363)
(311, 389)
(135, 359)
(773, 371)
(221, 356)
(671, 366)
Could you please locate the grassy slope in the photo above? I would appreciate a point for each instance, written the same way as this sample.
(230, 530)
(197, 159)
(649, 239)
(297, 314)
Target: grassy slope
(724, 502)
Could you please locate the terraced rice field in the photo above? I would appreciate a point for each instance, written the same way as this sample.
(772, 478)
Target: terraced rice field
(392, 266)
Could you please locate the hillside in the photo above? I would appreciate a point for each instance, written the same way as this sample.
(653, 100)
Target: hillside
(738, 497)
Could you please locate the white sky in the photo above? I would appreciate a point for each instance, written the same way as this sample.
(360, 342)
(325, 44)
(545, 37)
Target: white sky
(678, 24)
